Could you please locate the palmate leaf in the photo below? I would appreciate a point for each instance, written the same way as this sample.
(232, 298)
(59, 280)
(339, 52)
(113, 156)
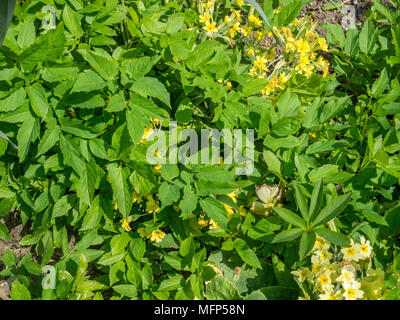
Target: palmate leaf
(262, 14)
(6, 14)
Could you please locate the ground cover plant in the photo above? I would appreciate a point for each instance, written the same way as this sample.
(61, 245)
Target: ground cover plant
(80, 101)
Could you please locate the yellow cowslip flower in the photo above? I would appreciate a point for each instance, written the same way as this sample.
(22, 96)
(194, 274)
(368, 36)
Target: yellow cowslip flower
(136, 198)
(253, 72)
(260, 35)
(202, 223)
(331, 295)
(232, 33)
(324, 280)
(208, 5)
(302, 274)
(205, 17)
(157, 236)
(211, 27)
(157, 168)
(151, 205)
(324, 63)
(290, 45)
(213, 224)
(322, 44)
(229, 85)
(365, 248)
(311, 35)
(242, 211)
(313, 55)
(251, 52)
(247, 30)
(237, 15)
(227, 19)
(115, 206)
(142, 232)
(146, 134)
(260, 62)
(312, 135)
(228, 209)
(176, 208)
(286, 32)
(125, 225)
(303, 46)
(352, 290)
(240, 3)
(282, 79)
(296, 21)
(273, 83)
(255, 21)
(321, 244)
(351, 253)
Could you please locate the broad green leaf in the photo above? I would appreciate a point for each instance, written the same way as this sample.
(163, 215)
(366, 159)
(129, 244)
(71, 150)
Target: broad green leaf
(72, 21)
(316, 199)
(288, 235)
(152, 87)
(4, 232)
(334, 208)
(122, 192)
(368, 36)
(13, 101)
(290, 217)
(88, 81)
(215, 210)
(24, 137)
(219, 288)
(301, 202)
(334, 237)
(38, 99)
(19, 291)
(105, 67)
(246, 253)
(306, 243)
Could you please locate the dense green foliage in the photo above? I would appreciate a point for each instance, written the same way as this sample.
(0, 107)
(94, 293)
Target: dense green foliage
(78, 99)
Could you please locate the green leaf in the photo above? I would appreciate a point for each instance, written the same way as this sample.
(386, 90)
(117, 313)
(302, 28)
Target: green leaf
(301, 202)
(288, 12)
(290, 217)
(288, 235)
(380, 84)
(19, 291)
(368, 36)
(334, 208)
(87, 182)
(219, 288)
(24, 137)
(316, 199)
(334, 237)
(9, 258)
(13, 101)
(63, 205)
(88, 81)
(247, 254)
(4, 232)
(105, 67)
(138, 68)
(127, 290)
(121, 188)
(274, 164)
(215, 210)
(147, 86)
(37, 97)
(72, 21)
(306, 243)
(168, 194)
(172, 283)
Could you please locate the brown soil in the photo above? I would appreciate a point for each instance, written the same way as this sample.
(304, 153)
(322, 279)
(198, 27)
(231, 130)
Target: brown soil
(316, 10)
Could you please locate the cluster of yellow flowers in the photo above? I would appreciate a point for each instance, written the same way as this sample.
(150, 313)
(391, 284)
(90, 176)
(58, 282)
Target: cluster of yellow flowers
(299, 54)
(345, 274)
(203, 222)
(152, 206)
